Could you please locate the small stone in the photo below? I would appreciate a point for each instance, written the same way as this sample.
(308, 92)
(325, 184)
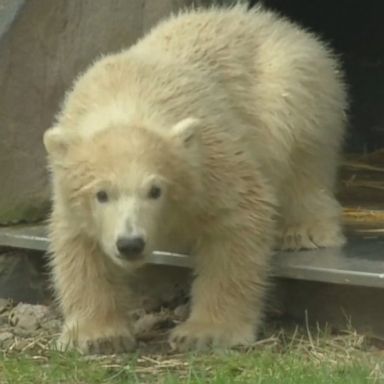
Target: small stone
(25, 333)
(52, 325)
(27, 317)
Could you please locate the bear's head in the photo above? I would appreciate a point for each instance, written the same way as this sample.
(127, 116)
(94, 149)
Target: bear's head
(127, 187)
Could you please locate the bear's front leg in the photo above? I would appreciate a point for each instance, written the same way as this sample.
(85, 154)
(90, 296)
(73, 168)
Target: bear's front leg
(93, 295)
(228, 293)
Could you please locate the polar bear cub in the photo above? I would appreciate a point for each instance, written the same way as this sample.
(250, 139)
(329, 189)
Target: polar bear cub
(217, 135)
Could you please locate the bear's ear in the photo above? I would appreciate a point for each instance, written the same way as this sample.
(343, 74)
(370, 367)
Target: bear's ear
(185, 131)
(56, 142)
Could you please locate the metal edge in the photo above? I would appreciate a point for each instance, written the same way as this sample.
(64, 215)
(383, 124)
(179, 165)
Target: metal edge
(24, 242)
(15, 238)
(344, 277)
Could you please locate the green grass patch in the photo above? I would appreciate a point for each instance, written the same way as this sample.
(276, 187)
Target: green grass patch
(296, 359)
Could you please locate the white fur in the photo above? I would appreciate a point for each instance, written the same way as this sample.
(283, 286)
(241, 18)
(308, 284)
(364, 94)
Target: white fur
(236, 112)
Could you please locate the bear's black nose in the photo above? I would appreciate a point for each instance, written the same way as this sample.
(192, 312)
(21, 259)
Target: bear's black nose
(130, 247)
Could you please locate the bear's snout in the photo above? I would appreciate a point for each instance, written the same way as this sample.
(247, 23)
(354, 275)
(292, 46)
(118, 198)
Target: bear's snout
(130, 248)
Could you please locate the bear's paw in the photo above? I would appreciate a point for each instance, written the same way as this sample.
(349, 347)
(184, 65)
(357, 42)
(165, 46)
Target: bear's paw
(203, 335)
(312, 236)
(100, 342)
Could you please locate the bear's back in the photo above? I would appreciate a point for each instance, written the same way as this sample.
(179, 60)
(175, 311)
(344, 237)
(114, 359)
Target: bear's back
(221, 36)
(250, 74)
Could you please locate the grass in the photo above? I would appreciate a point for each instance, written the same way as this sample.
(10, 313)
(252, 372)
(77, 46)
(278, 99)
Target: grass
(234, 367)
(300, 357)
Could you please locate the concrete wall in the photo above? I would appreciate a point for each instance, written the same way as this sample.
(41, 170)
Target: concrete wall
(44, 44)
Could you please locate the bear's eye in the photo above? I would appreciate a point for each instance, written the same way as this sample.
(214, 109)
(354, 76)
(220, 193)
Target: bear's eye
(102, 196)
(154, 192)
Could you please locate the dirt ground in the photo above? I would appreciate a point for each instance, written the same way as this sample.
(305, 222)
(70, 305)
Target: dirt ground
(26, 327)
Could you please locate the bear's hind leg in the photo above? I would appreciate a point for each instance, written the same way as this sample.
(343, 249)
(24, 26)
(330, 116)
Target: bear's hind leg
(310, 215)
(311, 229)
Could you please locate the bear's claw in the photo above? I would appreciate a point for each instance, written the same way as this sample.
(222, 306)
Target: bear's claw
(110, 345)
(96, 345)
(311, 237)
(202, 336)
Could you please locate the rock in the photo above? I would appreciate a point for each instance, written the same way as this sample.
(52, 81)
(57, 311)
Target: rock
(52, 325)
(27, 317)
